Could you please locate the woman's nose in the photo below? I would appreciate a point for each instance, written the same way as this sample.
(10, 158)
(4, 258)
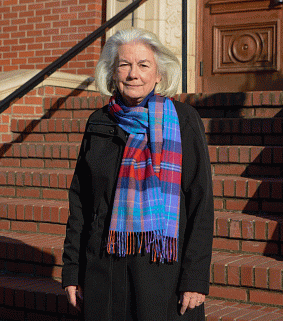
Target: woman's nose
(133, 72)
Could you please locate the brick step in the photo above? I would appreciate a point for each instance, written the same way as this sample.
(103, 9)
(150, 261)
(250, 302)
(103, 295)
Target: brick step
(48, 130)
(222, 310)
(45, 155)
(241, 104)
(240, 112)
(31, 298)
(54, 104)
(237, 131)
(247, 277)
(247, 233)
(31, 254)
(247, 160)
(33, 215)
(234, 193)
(35, 182)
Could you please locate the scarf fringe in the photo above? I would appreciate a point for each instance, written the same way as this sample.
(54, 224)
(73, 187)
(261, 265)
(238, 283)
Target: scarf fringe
(162, 248)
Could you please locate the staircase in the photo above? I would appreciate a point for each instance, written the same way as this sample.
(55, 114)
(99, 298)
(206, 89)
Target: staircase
(244, 133)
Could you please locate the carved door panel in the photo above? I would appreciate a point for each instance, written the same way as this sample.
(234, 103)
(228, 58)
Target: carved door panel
(240, 46)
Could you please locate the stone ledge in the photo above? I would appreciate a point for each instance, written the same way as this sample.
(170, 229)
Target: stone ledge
(12, 80)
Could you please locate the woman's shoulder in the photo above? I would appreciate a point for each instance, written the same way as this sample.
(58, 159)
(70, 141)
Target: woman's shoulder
(187, 114)
(101, 115)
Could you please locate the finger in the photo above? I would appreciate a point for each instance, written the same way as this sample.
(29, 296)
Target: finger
(71, 294)
(184, 304)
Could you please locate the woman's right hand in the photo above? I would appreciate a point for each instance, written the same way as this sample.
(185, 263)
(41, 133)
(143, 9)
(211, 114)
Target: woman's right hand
(75, 295)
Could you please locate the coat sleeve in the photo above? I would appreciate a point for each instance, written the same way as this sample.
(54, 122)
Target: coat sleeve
(198, 207)
(75, 225)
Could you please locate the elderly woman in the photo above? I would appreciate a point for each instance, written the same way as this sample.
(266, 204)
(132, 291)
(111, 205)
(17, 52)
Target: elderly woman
(139, 235)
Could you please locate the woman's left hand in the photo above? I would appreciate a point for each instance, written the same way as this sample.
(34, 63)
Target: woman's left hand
(190, 300)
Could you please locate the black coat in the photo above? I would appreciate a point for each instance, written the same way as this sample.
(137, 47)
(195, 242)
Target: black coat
(132, 288)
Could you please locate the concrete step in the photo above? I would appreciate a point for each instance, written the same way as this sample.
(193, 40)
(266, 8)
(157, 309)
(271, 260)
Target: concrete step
(247, 277)
(221, 310)
(32, 298)
(247, 233)
(31, 254)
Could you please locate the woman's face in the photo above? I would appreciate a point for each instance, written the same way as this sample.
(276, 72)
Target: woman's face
(136, 72)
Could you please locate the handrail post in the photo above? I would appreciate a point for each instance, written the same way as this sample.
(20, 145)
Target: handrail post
(184, 45)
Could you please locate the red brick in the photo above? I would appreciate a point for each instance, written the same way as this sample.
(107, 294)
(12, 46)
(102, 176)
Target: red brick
(23, 226)
(266, 297)
(52, 228)
(55, 194)
(228, 293)
(226, 244)
(275, 276)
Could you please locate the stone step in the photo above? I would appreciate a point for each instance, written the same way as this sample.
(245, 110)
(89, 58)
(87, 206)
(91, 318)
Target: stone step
(244, 233)
(221, 310)
(31, 254)
(247, 277)
(32, 298)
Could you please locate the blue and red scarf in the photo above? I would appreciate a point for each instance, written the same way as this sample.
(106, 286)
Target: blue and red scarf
(147, 199)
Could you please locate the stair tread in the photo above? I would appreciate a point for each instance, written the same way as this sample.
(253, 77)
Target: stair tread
(242, 178)
(39, 241)
(250, 271)
(31, 202)
(217, 310)
(37, 169)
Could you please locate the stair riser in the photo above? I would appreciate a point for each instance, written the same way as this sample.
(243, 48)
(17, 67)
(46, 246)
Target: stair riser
(240, 112)
(248, 206)
(32, 227)
(48, 138)
(246, 295)
(35, 270)
(249, 170)
(35, 213)
(243, 246)
(253, 271)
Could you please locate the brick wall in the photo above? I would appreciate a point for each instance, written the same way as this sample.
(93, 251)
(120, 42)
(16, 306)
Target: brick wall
(33, 33)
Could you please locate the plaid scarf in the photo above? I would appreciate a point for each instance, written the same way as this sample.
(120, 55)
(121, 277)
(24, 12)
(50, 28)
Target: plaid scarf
(147, 200)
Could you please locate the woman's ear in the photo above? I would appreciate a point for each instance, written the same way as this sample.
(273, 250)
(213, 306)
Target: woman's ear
(158, 78)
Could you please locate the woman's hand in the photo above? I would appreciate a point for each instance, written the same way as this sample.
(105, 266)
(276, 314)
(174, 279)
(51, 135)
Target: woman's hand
(190, 300)
(74, 295)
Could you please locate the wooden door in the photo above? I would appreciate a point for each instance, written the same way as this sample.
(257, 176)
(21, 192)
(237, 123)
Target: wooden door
(239, 46)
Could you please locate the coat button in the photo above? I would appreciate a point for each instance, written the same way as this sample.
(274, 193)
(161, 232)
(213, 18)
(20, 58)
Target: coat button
(112, 131)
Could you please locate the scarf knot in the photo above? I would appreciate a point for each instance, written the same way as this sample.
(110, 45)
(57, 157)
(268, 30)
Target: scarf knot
(147, 199)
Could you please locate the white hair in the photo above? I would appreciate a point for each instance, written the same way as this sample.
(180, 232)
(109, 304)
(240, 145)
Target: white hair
(168, 66)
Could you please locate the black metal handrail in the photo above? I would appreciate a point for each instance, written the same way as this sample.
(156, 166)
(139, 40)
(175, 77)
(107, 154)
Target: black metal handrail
(66, 57)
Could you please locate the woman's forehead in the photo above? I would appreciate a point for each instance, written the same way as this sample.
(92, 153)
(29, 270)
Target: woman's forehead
(135, 50)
